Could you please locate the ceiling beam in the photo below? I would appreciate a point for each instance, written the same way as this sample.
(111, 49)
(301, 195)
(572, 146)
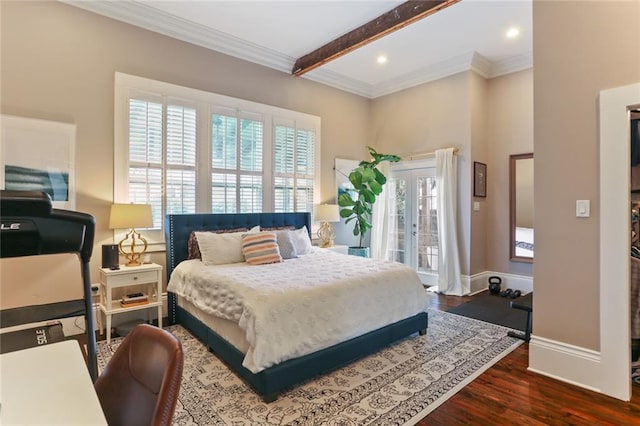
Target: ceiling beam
(403, 15)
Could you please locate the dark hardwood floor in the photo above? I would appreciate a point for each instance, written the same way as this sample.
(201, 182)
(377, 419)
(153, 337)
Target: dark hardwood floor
(509, 394)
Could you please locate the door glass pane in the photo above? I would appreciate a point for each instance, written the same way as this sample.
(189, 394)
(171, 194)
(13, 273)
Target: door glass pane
(427, 232)
(397, 219)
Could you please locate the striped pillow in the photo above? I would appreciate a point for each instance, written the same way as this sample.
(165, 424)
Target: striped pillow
(261, 248)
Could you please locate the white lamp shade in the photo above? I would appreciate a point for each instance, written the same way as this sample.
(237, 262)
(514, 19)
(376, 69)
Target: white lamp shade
(130, 216)
(326, 213)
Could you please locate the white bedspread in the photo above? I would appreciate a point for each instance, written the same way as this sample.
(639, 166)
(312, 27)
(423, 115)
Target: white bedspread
(301, 305)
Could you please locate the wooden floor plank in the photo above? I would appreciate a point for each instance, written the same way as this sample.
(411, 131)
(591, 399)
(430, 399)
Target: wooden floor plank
(507, 394)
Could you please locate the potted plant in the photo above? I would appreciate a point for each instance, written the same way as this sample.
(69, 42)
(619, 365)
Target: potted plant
(367, 183)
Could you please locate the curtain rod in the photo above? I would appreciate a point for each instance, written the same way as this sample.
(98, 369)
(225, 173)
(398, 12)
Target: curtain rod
(415, 155)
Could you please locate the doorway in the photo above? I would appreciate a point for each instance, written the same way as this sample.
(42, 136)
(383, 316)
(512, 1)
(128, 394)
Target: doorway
(634, 272)
(413, 231)
(615, 345)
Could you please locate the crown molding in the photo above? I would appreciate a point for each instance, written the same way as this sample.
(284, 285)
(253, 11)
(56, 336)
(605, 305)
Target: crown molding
(339, 81)
(440, 70)
(155, 20)
(149, 18)
(513, 64)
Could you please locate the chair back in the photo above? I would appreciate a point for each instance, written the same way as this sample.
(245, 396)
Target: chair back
(140, 384)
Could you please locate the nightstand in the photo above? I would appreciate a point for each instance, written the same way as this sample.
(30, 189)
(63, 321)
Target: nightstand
(146, 278)
(338, 249)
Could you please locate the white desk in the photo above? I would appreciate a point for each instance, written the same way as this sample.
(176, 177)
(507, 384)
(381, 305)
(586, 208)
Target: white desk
(48, 384)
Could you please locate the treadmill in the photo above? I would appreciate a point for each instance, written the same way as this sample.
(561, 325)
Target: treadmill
(30, 226)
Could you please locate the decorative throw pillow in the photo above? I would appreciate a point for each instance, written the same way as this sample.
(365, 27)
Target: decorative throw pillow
(301, 240)
(221, 248)
(193, 250)
(285, 245)
(260, 248)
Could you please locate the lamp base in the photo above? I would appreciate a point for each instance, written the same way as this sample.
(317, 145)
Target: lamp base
(133, 261)
(326, 235)
(133, 256)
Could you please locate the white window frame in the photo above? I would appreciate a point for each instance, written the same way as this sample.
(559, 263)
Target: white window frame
(206, 103)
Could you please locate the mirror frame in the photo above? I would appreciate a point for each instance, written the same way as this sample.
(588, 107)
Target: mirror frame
(512, 208)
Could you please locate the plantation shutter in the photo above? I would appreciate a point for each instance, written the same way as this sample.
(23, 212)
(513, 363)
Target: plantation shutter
(145, 155)
(156, 173)
(237, 145)
(184, 151)
(294, 168)
(180, 168)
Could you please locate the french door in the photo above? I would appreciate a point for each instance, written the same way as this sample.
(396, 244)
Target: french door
(413, 237)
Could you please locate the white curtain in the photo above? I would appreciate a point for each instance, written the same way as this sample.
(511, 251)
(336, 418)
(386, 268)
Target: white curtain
(380, 219)
(449, 281)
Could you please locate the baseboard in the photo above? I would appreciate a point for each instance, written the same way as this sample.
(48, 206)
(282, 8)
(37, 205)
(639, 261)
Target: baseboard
(75, 325)
(477, 282)
(568, 363)
(480, 281)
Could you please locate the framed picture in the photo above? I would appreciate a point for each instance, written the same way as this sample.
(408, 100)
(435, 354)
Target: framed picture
(39, 155)
(479, 179)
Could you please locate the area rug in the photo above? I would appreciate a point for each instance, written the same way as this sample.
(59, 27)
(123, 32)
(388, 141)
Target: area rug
(494, 309)
(398, 385)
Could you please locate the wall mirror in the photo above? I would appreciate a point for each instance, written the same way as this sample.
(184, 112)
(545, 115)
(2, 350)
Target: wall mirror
(521, 207)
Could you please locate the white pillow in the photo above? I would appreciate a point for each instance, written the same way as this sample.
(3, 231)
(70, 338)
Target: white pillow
(285, 245)
(220, 249)
(301, 241)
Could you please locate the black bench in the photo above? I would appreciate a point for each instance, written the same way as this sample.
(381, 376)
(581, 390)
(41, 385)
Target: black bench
(523, 303)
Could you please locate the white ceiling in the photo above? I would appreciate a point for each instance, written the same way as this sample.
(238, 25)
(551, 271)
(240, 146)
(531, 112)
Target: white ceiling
(467, 35)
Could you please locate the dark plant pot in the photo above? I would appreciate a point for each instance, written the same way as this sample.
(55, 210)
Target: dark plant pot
(359, 251)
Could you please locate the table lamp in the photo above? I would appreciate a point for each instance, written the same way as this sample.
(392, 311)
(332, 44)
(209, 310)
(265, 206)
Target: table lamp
(131, 216)
(326, 213)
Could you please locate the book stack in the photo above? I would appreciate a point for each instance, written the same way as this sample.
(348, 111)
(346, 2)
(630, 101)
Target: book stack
(134, 299)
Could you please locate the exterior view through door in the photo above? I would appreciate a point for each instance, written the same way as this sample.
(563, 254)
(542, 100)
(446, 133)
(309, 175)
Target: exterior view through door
(413, 227)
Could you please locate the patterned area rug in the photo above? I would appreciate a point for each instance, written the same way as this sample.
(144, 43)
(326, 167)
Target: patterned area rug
(398, 385)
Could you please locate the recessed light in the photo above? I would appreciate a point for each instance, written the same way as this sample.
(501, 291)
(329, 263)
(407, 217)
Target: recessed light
(513, 32)
(382, 59)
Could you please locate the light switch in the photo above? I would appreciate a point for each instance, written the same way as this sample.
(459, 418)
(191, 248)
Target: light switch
(583, 208)
(476, 206)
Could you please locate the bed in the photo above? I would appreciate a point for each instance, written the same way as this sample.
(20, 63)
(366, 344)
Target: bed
(524, 242)
(221, 336)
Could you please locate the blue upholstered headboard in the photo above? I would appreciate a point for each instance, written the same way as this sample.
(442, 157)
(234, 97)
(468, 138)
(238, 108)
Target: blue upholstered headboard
(178, 227)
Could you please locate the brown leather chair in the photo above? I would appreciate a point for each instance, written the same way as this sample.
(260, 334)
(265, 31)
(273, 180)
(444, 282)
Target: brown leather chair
(140, 384)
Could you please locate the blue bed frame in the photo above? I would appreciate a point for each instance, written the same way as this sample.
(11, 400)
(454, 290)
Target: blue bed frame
(270, 382)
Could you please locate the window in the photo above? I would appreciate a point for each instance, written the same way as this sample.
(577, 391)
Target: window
(236, 163)
(185, 151)
(294, 168)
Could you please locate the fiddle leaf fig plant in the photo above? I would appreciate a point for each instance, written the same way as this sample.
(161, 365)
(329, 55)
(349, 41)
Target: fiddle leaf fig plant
(367, 183)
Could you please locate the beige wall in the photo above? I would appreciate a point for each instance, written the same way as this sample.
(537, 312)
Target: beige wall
(479, 152)
(510, 131)
(425, 118)
(487, 120)
(580, 48)
(58, 63)
(68, 76)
